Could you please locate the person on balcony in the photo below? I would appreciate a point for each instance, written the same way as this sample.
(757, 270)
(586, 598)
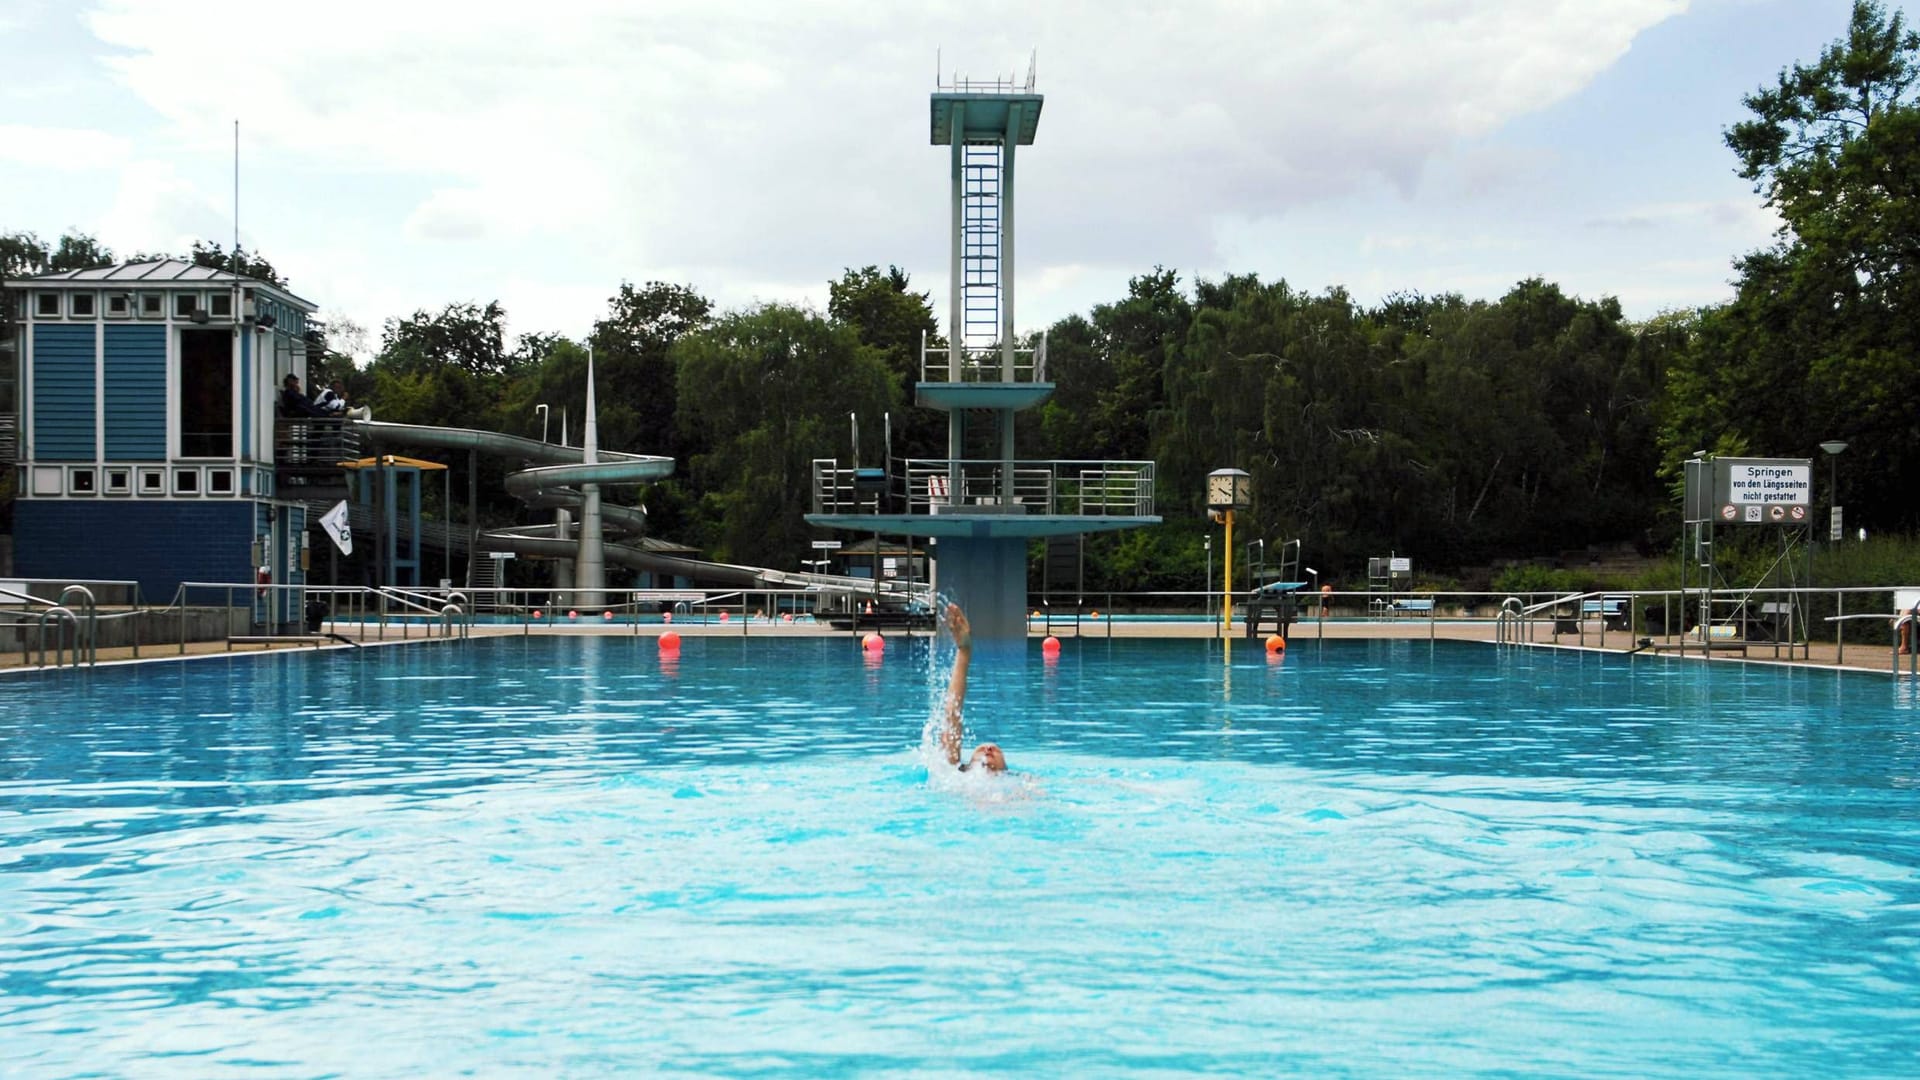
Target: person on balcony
(334, 400)
(293, 403)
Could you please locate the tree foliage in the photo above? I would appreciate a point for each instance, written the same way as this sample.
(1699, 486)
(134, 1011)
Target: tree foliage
(1821, 339)
(772, 388)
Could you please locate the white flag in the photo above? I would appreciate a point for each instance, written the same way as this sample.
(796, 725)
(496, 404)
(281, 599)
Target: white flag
(335, 522)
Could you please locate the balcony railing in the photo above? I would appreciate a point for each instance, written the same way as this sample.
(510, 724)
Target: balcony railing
(310, 450)
(982, 365)
(941, 486)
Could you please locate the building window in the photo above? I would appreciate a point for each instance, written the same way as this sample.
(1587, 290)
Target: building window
(219, 481)
(220, 305)
(117, 480)
(153, 481)
(119, 305)
(46, 479)
(186, 481)
(80, 306)
(46, 305)
(206, 393)
(150, 306)
(80, 481)
(185, 304)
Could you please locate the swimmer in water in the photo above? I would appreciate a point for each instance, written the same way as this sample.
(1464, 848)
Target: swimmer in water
(986, 755)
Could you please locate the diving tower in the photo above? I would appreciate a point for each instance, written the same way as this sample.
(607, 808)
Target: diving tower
(982, 510)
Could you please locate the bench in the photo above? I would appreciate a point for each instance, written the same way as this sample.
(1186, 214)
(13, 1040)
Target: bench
(1611, 609)
(1413, 606)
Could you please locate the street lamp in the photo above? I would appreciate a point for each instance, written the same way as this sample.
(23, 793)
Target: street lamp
(545, 415)
(1208, 603)
(1228, 490)
(1833, 448)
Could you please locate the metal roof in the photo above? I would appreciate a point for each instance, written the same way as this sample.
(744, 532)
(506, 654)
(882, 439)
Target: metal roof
(162, 273)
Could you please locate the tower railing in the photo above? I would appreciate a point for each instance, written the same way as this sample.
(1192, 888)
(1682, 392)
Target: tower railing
(944, 486)
(981, 365)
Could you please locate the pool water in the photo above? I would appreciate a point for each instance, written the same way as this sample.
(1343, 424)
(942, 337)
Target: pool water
(570, 856)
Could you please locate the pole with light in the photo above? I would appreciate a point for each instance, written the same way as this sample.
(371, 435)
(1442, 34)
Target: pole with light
(1208, 602)
(1833, 447)
(1228, 490)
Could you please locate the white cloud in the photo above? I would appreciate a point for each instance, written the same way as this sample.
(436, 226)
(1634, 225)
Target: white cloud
(61, 148)
(156, 210)
(768, 145)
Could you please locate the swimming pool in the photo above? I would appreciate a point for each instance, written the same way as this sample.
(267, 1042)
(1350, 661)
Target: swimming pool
(568, 856)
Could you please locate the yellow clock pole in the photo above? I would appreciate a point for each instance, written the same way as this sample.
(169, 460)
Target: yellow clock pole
(1226, 582)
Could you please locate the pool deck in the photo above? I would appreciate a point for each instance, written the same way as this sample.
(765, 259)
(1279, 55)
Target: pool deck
(1858, 655)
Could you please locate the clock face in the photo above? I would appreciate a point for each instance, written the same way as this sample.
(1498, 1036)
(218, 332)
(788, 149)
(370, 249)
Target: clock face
(1220, 491)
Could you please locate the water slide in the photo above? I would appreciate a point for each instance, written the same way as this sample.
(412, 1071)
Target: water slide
(552, 479)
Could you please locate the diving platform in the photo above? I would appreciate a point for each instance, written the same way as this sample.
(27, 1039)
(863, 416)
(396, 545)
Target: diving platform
(982, 510)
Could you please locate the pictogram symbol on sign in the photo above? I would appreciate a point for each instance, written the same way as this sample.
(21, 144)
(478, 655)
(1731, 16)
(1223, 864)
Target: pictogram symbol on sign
(1777, 513)
(1799, 513)
(1753, 513)
(1729, 512)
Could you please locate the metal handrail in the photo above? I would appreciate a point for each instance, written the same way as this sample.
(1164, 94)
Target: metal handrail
(57, 613)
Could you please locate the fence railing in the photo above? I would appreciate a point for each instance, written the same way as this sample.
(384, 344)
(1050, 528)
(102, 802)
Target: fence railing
(1782, 624)
(969, 486)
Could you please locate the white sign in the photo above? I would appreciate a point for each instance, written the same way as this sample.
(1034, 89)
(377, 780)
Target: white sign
(1835, 530)
(335, 523)
(826, 545)
(1400, 566)
(1778, 482)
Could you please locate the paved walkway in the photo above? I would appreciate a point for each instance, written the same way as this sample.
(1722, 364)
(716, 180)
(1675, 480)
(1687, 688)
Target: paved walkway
(1853, 655)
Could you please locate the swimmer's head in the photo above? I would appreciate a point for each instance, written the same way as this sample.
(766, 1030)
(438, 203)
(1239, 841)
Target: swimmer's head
(988, 757)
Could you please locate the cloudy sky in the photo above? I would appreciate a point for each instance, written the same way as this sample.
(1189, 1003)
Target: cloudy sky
(398, 155)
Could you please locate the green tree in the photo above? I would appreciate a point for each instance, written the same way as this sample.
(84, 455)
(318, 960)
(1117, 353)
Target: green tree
(240, 261)
(1820, 341)
(772, 388)
(892, 318)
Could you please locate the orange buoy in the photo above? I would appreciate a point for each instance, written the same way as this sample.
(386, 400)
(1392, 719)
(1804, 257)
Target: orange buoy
(1051, 646)
(873, 643)
(1035, 615)
(1095, 615)
(1276, 643)
(669, 642)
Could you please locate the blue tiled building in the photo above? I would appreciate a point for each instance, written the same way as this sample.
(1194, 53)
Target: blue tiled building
(146, 428)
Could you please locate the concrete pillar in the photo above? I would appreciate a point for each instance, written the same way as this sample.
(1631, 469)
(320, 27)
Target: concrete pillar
(590, 570)
(988, 577)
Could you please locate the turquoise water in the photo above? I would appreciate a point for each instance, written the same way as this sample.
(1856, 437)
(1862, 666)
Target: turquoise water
(568, 857)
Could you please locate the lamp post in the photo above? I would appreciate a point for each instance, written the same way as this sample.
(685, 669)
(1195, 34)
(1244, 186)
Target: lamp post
(1207, 604)
(1833, 447)
(545, 414)
(1228, 490)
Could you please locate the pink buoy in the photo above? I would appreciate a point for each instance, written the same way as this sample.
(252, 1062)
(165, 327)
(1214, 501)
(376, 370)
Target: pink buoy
(723, 616)
(788, 617)
(670, 642)
(573, 614)
(1051, 646)
(607, 615)
(873, 643)
(536, 613)
(666, 616)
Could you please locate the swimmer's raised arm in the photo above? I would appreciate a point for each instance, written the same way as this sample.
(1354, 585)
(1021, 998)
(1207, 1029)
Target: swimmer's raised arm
(956, 686)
